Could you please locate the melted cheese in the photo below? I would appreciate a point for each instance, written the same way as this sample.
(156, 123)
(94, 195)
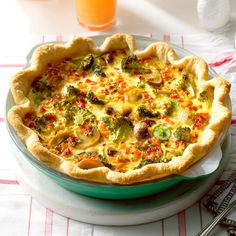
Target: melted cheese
(175, 99)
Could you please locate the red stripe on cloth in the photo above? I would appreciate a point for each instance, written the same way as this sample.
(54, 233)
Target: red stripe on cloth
(2, 119)
(43, 38)
(200, 212)
(219, 182)
(221, 62)
(166, 37)
(229, 169)
(8, 181)
(182, 224)
(59, 38)
(67, 226)
(162, 228)
(233, 122)
(14, 194)
(29, 220)
(48, 222)
(182, 41)
(11, 65)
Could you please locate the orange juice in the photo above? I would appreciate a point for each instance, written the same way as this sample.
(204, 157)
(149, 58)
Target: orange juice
(96, 14)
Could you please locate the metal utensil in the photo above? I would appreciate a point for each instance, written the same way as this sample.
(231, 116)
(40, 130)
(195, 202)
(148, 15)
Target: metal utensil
(210, 226)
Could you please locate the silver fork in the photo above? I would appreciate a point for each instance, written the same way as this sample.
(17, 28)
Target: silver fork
(210, 226)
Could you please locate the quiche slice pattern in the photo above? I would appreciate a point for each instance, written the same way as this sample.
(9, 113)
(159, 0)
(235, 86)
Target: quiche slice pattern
(115, 114)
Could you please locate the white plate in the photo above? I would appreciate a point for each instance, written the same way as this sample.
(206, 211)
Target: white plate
(113, 212)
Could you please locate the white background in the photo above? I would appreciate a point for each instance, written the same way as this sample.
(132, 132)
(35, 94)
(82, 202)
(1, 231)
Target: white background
(136, 16)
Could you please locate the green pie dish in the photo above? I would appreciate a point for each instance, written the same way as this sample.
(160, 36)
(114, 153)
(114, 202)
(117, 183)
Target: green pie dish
(93, 189)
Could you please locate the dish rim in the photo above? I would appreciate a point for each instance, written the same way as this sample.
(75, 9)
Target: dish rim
(181, 52)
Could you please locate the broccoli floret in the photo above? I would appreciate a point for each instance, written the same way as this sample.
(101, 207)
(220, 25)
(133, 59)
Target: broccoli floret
(40, 86)
(182, 134)
(81, 115)
(144, 112)
(123, 120)
(169, 107)
(41, 90)
(87, 62)
(121, 129)
(70, 113)
(105, 119)
(206, 96)
(105, 162)
(91, 97)
(98, 70)
(145, 162)
(72, 91)
(184, 82)
(131, 64)
(41, 122)
(203, 96)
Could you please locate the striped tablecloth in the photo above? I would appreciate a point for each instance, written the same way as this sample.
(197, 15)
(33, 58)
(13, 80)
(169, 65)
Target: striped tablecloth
(22, 215)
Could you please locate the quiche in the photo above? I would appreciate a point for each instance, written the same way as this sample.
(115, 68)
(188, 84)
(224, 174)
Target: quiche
(116, 114)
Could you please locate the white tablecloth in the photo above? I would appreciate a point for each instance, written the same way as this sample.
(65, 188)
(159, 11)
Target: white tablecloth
(22, 215)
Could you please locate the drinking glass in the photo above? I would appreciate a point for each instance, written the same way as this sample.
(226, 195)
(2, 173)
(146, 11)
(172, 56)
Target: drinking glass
(96, 14)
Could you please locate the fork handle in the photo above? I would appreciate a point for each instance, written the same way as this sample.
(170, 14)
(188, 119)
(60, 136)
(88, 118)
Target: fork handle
(209, 227)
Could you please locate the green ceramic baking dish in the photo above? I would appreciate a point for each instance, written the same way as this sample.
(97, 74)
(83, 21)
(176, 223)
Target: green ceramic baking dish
(99, 190)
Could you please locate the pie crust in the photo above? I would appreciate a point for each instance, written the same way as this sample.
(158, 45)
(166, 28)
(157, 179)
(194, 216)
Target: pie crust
(79, 46)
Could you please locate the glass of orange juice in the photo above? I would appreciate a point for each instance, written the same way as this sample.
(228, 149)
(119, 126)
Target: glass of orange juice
(96, 14)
